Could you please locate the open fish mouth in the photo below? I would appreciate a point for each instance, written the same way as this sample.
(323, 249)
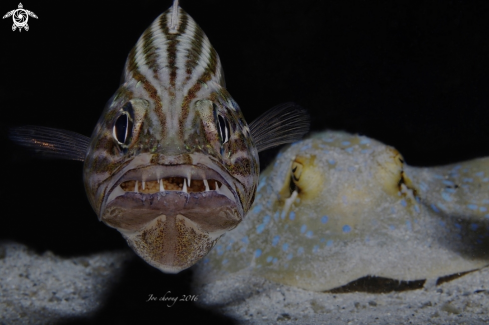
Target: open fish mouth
(174, 178)
(172, 215)
(195, 192)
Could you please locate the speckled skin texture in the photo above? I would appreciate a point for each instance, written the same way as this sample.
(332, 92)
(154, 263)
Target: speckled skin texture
(337, 207)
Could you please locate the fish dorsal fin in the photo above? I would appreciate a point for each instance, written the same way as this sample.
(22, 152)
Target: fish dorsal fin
(50, 142)
(281, 124)
(174, 21)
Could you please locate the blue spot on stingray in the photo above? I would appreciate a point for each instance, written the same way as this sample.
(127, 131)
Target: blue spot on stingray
(315, 249)
(423, 186)
(442, 206)
(344, 199)
(408, 225)
(472, 206)
(482, 209)
(322, 240)
(262, 183)
(329, 243)
(485, 179)
(243, 249)
(346, 143)
(245, 240)
(393, 210)
(300, 251)
(266, 220)
(435, 208)
(349, 150)
(225, 261)
(275, 240)
(228, 247)
(275, 260)
(351, 169)
(457, 167)
(467, 180)
(219, 250)
(286, 227)
(392, 227)
(487, 216)
(303, 229)
(258, 253)
(289, 257)
(328, 140)
(206, 260)
(446, 196)
(305, 147)
(346, 229)
(309, 234)
(438, 176)
(285, 247)
(332, 161)
(403, 203)
(257, 209)
(276, 216)
(474, 226)
(448, 183)
(324, 219)
(260, 228)
(366, 151)
(416, 208)
(269, 259)
(442, 223)
(458, 226)
(449, 190)
(365, 141)
(292, 215)
(480, 174)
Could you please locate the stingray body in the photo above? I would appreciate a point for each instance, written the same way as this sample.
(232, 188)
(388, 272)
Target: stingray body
(337, 207)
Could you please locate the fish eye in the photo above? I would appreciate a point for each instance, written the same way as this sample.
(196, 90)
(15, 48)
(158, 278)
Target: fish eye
(122, 130)
(222, 126)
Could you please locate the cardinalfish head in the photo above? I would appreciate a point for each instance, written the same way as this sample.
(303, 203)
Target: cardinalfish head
(172, 163)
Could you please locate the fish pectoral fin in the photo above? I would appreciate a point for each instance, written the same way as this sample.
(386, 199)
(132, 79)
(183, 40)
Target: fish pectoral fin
(50, 142)
(281, 124)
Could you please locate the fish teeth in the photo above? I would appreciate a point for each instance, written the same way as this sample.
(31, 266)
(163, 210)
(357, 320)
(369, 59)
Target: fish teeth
(184, 186)
(224, 190)
(162, 188)
(217, 186)
(144, 184)
(118, 191)
(136, 187)
(206, 185)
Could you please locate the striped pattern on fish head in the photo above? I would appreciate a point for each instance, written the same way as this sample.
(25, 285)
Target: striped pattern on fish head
(171, 164)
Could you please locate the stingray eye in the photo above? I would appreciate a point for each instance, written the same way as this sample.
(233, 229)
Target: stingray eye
(122, 130)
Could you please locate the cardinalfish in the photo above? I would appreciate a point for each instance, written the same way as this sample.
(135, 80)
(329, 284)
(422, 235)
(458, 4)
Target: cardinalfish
(172, 164)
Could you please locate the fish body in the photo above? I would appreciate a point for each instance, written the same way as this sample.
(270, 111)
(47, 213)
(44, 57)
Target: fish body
(171, 164)
(338, 207)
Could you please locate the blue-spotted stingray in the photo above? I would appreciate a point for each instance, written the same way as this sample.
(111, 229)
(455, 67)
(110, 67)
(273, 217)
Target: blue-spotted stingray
(337, 207)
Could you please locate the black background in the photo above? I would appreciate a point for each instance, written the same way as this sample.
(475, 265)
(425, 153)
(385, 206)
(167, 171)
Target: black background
(413, 75)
